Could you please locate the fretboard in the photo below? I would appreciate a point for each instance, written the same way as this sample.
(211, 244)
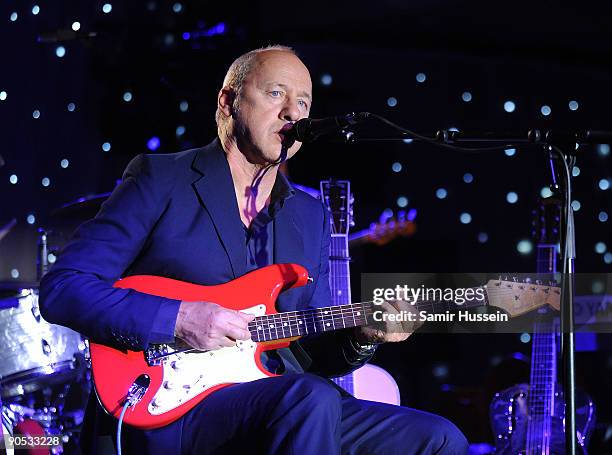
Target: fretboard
(299, 323)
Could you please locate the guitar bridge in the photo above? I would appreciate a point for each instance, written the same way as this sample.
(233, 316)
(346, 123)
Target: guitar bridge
(156, 353)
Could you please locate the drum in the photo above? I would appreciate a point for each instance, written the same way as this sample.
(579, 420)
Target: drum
(33, 353)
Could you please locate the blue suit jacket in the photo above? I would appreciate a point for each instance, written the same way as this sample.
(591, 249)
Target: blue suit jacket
(176, 215)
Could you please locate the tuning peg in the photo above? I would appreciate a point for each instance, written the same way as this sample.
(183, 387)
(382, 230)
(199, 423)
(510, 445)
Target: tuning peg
(352, 223)
(515, 279)
(539, 282)
(528, 280)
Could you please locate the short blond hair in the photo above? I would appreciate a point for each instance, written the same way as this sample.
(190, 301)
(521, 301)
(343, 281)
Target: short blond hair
(239, 70)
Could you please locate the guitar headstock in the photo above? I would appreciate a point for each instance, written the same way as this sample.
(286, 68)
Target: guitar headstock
(517, 298)
(390, 228)
(337, 197)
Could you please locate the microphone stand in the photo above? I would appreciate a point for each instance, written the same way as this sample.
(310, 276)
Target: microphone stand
(561, 151)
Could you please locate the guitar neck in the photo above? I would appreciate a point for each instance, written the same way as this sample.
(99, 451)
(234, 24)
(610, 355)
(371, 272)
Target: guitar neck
(299, 323)
(305, 322)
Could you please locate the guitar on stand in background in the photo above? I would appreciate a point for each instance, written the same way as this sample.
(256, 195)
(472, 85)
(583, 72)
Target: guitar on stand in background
(368, 382)
(529, 418)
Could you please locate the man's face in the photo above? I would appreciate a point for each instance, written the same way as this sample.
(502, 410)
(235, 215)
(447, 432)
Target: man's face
(277, 90)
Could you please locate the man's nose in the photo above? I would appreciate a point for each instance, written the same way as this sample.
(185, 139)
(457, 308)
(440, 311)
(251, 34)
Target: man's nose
(291, 111)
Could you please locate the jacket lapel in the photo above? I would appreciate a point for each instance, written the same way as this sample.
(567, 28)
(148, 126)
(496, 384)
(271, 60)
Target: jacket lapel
(215, 190)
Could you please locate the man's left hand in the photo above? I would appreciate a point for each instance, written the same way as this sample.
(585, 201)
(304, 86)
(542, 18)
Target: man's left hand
(393, 327)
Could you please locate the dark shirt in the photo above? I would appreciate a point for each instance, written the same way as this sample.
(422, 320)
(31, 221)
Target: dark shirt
(259, 238)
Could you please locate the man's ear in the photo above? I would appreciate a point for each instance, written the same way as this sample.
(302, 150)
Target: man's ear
(225, 101)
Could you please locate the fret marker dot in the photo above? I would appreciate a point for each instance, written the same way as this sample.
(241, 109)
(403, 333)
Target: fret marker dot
(259, 327)
(285, 324)
(328, 324)
(358, 313)
(326, 312)
(272, 325)
(299, 322)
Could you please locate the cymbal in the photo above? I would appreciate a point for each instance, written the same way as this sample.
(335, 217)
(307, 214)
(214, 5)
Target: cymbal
(82, 208)
(4, 230)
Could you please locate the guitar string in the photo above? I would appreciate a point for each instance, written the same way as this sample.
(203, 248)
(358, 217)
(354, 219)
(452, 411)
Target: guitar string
(539, 375)
(495, 294)
(330, 314)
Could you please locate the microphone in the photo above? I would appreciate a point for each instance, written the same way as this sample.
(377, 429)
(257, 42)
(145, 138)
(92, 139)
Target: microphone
(309, 129)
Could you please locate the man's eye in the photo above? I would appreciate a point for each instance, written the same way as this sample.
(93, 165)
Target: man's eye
(303, 103)
(276, 93)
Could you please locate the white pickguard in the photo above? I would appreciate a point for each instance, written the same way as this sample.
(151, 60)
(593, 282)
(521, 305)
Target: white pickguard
(187, 375)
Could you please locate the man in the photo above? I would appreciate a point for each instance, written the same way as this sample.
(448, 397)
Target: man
(207, 216)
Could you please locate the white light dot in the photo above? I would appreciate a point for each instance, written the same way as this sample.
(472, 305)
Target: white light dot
(509, 106)
(441, 193)
(608, 258)
(525, 338)
(545, 110)
(603, 149)
(511, 197)
(31, 219)
(408, 140)
(465, 218)
(600, 248)
(603, 216)
(604, 184)
(524, 246)
(106, 147)
(13, 17)
(64, 163)
(184, 106)
(60, 51)
(545, 192)
(597, 287)
(45, 181)
(421, 77)
(35, 10)
(396, 167)
(466, 96)
(575, 171)
(107, 8)
(51, 258)
(13, 179)
(15, 273)
(76, 26)
(326, 79)
(180, 130)
(573, 105)
(510, 152)
(468, 178)
(391, 101)
(71, 107)
(402, 201)
(36, 113)
(3, 95)
(127, 97)
(483, 237)
(576, 205)
(177, 7)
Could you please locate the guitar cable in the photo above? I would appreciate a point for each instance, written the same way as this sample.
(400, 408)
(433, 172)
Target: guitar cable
(134, 394)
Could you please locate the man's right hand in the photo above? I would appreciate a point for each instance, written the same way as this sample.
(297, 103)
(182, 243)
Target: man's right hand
(207, 326)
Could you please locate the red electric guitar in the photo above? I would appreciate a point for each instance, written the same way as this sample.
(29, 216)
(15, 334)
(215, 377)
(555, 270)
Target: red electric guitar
(178, 377)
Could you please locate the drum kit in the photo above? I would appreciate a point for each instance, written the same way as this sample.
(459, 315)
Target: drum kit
(44, 368)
